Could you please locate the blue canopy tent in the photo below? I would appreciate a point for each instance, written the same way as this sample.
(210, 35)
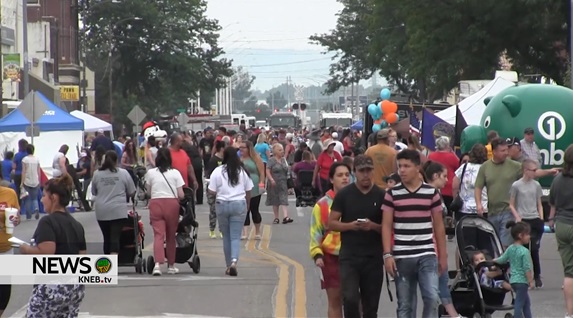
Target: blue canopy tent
(55, 119)
(357, 125)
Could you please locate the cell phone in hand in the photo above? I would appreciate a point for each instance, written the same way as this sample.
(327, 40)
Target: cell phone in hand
(361, 220)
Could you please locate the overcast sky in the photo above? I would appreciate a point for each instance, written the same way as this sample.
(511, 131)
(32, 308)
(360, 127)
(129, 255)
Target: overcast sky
(270, 37)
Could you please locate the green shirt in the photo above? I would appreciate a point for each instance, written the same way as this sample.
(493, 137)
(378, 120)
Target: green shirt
(251, 167)
(498, 178)
(520, 263)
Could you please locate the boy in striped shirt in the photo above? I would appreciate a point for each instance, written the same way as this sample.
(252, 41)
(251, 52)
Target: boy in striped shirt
(412, 210)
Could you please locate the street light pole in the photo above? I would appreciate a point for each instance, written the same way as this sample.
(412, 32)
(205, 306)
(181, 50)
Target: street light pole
(25, 46)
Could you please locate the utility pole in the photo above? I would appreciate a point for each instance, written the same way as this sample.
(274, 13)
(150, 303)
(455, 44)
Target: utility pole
(25, 44)
(288, 90)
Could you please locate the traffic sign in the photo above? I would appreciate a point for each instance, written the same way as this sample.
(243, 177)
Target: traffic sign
(183, 119)
(136, 115)
(181, 110)
(33, 107)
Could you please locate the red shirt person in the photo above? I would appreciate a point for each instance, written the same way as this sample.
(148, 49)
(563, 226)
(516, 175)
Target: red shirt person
(181, 162)
(323, 164)
(446, 157)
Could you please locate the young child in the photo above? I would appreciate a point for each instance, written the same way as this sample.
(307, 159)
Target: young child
(487, 275)
(392, 180)
(349, 161)
(525, 204)
(521, 276)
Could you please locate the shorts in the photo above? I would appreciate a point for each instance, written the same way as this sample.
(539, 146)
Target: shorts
(499, 221)
(330, 272)
(564, 237)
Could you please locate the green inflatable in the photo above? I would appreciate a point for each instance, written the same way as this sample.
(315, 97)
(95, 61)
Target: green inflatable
(548, 109)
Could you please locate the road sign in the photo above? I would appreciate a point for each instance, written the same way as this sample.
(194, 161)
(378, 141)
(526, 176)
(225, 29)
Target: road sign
(181, 110)
(183, 120)
(33, 107)
(136, 115)
(70, 93)
(32, 133)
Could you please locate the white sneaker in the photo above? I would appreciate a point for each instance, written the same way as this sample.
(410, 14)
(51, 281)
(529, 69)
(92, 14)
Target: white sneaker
(172, 270)
(156, 270)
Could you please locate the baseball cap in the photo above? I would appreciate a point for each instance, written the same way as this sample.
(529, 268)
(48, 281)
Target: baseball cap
(335, 135)
(383, 133)
(513, 141)
(528, 130)
(363, 162)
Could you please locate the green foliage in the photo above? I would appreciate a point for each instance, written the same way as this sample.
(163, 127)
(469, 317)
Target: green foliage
(163, 52)
(276, 100)
(243, 98)
(427, 47)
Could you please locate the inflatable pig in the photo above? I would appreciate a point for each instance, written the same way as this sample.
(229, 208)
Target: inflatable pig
(548, 109)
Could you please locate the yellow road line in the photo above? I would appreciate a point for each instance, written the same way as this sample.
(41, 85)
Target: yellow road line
(299, 293)
(281, 309)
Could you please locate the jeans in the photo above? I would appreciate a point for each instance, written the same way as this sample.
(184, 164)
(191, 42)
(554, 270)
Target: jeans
(537, 229)
(231, 216)
(31, 201)
(499, 221)
(422, 271)
(361, 281)
(445, 295)
(522, 305)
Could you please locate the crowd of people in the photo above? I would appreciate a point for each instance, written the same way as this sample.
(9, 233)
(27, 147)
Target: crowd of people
(383, 204)
(395, 214)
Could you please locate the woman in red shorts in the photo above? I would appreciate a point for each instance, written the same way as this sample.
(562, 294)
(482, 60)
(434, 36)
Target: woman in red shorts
(325, 244)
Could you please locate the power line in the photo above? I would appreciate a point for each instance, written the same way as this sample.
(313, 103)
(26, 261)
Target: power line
(290, 63)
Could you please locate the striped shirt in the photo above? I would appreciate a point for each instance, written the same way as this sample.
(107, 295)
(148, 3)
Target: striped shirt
(413, 212)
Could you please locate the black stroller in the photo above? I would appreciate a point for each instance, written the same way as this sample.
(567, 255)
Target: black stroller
(140, 191)
(306, 195)
(470, 298)
(186, 236)
(131, 243)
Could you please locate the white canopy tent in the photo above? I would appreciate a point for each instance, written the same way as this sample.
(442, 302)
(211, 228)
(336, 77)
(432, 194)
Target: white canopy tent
(92, 123)
(473, 107)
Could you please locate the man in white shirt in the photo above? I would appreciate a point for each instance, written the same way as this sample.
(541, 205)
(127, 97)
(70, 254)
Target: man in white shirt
(338, 146)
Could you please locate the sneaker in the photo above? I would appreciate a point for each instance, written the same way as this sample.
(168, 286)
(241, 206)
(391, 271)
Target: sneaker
(156, 270)
(233, 268)
(221, 234)
(172, 270)
(538, 283)
(212, 234)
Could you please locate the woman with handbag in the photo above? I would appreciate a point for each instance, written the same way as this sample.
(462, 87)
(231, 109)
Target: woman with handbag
(277, 186)
(165, 186)
(463, 185)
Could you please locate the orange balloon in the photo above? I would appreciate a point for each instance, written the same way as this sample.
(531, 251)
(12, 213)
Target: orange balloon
(393, 107)
(378, 121)
(386, 107)
(391, 118)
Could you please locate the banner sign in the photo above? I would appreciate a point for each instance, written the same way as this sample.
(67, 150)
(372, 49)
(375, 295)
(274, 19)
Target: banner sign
(70, 93)
(11, 67)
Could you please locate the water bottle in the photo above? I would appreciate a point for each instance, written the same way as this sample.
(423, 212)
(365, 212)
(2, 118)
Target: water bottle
(548, 229)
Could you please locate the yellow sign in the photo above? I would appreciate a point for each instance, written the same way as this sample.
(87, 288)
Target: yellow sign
(70, 93)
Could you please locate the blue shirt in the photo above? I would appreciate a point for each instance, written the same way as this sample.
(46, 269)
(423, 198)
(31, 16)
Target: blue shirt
(262, 151)
(18, 161)
(6, 169)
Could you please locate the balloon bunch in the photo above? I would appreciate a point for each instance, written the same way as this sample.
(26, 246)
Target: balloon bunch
(383, 113)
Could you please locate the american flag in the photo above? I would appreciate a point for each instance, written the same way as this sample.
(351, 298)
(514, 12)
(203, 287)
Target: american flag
(414, 123)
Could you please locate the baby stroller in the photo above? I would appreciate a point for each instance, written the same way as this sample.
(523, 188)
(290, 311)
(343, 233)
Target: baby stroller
(186, 236)
(470, 298)
(131, 243)
(139, 179)
(305, 194)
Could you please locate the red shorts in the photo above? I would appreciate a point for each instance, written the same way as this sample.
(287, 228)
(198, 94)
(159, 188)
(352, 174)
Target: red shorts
(330, 272)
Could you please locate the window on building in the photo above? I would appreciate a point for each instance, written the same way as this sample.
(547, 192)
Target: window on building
(33, 2)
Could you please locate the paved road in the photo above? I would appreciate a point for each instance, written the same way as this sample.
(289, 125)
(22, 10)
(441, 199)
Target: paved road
(276, 278)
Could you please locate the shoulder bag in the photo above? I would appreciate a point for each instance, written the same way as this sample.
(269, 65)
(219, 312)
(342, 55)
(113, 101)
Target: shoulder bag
(458, 203)
(290, 182)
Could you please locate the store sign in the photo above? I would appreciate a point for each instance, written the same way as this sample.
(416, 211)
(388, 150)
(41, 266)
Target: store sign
(70, 93)
(8, 36)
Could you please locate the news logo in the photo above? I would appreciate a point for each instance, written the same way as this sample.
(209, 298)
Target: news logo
(58, 269)
(103, 265)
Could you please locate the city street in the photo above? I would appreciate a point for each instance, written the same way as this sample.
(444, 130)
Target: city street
(276, 278)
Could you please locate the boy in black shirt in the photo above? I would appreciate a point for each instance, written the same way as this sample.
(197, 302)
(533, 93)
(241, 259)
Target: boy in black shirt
(356, 214)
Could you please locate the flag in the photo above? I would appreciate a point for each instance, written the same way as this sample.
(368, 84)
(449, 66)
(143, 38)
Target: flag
(460, 126)
(433, 127)
(414, 123)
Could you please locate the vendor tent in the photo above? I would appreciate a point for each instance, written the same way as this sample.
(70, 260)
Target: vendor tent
(473, 107)
(91, 123)
(56, 126)
(55, 119)
(357, 125)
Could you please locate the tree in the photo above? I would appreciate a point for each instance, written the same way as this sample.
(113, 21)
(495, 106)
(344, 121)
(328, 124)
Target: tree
(276, 100)
(242, 94)
(425, 48)
(162, 52)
